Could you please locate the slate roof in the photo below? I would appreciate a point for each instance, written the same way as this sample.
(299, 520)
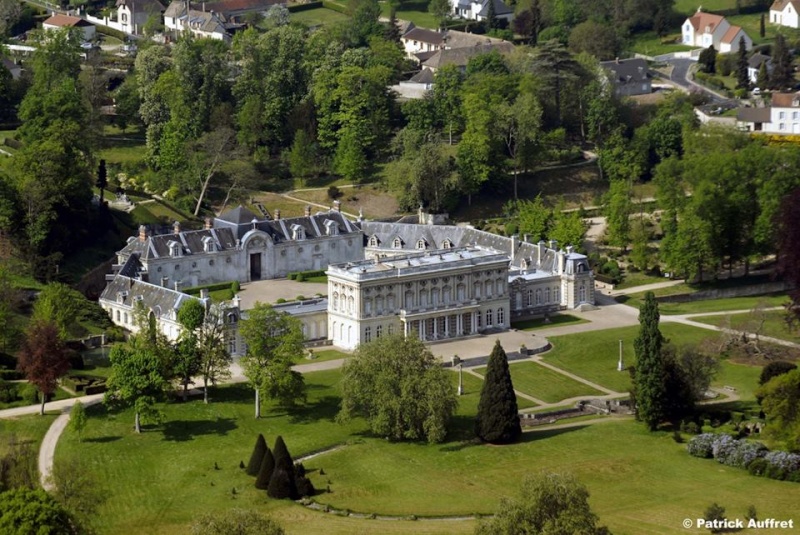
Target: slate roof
(241, 6)
(626, 71)
(240, 221)
(757, 59)
(500, 8)
(457, 39)
(191, 243)
(753, 115)
(461, 56)
(127, 288)
(425, 76)
(147, 6)
(424, 36)
(435, 235)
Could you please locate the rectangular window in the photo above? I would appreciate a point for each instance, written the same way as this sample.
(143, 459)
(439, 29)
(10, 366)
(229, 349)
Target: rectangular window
(378, 331)
(782, 126)
(782, 115)
(390, 330)
(489, 318)
(368, 334)
(501, 317)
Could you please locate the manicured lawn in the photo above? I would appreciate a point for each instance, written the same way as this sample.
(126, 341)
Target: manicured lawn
(751, 24)
(415, 11)
(650, 44)
(774, 326)
(633, 279)
(688, 7)
(545, 384)
(557, 319)
(594, 355)
(164, 211)
(25, 429)
(318, 17)
(321, 278)
(741, 377)
(322, 355)
(123, 151)
(639, 482)
(707, 305)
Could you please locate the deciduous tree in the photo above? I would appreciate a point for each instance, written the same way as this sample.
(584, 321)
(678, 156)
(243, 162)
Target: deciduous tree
(780, 401)
(274, 340)
(399, 387)
(497, 420)
(43, 357)
(26, 511)
(78, 419)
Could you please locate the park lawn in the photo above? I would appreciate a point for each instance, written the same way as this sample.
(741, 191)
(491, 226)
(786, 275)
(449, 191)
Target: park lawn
(541, 323)
(741, 377)
(373, 199)
(324, 355)
(318, 17)
(127, 151)
(594, 355)
(632, 279)
(751, 24)
(705, 305)
(415, 11)
(545, 384)
(319, 278)
(25, 430)
(774, 326)
(639, 482)
(688, 7)
(165, 212)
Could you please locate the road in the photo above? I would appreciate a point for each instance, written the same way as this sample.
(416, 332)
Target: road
(680, 77)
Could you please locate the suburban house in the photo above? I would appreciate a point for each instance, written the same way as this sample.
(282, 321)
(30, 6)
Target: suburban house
(180, 18)
(754, 65)
(435, 281)
(781, 117)
(461, 56)
(58, 21)
(479, 9)
(706, 29)
(629, 76)
(130, 16)
(784, 13)
(420, 40)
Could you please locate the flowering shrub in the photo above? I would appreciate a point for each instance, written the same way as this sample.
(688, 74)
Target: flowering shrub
(701, 445)
(790, 462)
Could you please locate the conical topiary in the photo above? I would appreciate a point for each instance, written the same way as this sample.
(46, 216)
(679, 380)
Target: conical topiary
(258, 454)
(282, 483)
(266, 471)
(498, 420)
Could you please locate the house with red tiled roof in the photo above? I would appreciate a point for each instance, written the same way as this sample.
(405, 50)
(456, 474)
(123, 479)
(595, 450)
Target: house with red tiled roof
(707, 29)
(58, 22)
(785, 13)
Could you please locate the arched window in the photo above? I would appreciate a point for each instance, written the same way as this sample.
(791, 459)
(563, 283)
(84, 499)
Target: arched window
(423, 298)
(421, 244)
(478, 290)
(447, 244)
(350, 304)
(556, 295)
(397, 243)
(582, 294)
(461, 290)
(373, 241)
(529, 297)
(335, 301)
(446, 295)
(409, 302)
(501, 317)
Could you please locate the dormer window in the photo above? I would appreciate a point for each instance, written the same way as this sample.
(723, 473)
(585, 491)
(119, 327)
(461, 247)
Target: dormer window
(373, 241)
(397, 243)
(447, 244)
(422, 245)
(121, 297)
(331, 228)
(208, 244)
(174, 249)
(298, 232)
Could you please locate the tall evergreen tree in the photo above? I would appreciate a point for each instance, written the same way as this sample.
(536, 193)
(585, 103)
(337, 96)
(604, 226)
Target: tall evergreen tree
(763, 76)
(258, 454)
(498, 421)
(282, 483)
(651, 373)
(265, 471)
(782, 75)
(762, 28)
(492, 22)
(742, 78)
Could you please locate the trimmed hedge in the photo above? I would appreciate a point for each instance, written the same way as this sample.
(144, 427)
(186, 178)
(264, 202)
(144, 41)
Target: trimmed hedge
(302, 275)
(296, 8)
(195, 290)
(105, 30)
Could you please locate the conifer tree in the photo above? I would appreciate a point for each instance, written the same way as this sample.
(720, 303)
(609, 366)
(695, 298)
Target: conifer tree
(762, 81)
(282, 483)
(266, 471)
(651, 372)
(762, 29)
(492, 22)
(258, 454)
(497, 421)
(742, 78)
(782, 75)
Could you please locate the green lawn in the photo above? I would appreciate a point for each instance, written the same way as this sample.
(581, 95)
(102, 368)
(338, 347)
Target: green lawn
(650, 44)
(741, 377)
(540, 323)
(545, 384)
(594, 355)
(25, 429)
(774, 326)
(325, 355)
(318, 17)
(751, 24)
(415, 11)
(709, 305)
(638, 278)
(128, 151)
(688, 7)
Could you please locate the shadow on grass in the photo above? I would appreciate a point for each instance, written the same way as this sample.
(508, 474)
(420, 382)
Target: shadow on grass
(183, 430)
(102, 440)
(324, 408)
(539, 434)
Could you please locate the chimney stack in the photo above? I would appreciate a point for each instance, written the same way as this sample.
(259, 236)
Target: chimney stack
(553, 245)
(142, 233)
(540, 252)
(308, 210)
(514, 239)
(164, 282)
(337, 205)
(560, 262)
(176, 227)
(277, 214)
(526, 238)
(208, 225)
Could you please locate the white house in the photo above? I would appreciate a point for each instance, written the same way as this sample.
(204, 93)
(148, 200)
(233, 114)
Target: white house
(420, 40)
(784, 13)
(180, 17)
(782, 117)
(706, 29)
(58, 22)
(479, 9)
